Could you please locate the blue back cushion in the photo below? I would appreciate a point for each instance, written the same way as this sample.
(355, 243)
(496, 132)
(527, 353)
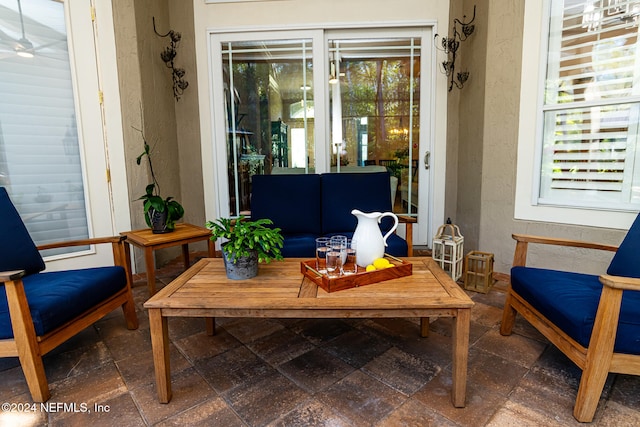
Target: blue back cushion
(343, 192)
(17, 250)
(626, 261)
(292, 202)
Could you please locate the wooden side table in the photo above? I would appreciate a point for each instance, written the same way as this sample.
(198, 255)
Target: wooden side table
(182, 235)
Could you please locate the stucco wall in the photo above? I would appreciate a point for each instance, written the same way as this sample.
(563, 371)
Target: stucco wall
(187, 119)
(471, 124)
(147, 104)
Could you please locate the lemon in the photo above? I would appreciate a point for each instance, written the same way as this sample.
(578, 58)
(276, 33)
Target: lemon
(380, 263)
(370, 267)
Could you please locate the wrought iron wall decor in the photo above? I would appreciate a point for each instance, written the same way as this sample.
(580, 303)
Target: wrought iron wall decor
(168, 55)
(449, 45)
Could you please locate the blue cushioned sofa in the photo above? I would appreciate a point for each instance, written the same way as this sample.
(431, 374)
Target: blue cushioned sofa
(593, 319)
(314, 205)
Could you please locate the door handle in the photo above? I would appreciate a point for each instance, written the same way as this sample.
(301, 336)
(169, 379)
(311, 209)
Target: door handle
(427, 157)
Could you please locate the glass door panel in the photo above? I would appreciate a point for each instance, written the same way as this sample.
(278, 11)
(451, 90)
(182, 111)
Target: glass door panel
(269, 112)
(374, 111)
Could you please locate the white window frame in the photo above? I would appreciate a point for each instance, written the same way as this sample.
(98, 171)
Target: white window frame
(534, 48)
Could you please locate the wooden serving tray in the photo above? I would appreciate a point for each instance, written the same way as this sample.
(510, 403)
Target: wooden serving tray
(400, 269)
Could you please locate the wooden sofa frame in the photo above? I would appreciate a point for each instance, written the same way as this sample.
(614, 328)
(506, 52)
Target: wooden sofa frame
(596, 361)
(30, 348)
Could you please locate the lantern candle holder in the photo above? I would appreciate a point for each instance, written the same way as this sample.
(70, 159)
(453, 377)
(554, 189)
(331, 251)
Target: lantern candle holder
(478, 271)
(448, 249)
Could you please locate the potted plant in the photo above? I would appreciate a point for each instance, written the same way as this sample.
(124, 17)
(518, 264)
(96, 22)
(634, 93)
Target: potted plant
(160, 213)
(248, 243)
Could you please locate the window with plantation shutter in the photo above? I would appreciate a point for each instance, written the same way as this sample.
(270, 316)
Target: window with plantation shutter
(591, 106)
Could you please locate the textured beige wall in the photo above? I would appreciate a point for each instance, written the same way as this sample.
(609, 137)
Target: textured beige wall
(471, 124)
(503, 57)
(187, 119)
(147, 103)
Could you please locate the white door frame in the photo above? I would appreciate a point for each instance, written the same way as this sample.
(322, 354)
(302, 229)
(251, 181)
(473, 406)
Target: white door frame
(94, 74)
(430, 196)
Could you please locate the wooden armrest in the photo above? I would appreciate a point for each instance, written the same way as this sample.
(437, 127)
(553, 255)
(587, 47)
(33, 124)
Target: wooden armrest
(563, 242)
(619, 282)
(520, 255)
(82, 242)
(404, 219)
(408, 221)
(7, 276)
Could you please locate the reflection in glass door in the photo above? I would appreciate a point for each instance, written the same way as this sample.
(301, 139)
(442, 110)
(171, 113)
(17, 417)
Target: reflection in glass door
(375, 116)
(269, 112)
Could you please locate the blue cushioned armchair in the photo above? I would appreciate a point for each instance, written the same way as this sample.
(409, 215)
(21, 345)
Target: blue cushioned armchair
(41, 310)
(594, 320)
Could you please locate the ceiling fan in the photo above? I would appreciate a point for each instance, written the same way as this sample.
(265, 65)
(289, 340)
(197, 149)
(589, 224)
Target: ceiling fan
(20, 45)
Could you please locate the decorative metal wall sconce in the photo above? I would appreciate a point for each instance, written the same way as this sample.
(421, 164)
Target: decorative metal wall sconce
(450, 45)
(168, 55)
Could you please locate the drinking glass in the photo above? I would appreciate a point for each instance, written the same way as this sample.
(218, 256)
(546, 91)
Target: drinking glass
(349, 266)
(322, 245)
(336, 255)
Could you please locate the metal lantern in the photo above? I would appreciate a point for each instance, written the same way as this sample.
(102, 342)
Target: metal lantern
(448, 249)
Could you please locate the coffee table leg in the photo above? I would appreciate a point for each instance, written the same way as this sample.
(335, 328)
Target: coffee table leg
(460, 356)
(424, 327)
(210, 325)
(160, 345)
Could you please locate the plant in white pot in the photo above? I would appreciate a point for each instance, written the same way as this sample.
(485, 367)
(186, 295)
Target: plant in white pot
(248, 243)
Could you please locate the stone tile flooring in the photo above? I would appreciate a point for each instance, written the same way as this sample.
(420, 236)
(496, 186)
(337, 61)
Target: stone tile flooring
(296, 372)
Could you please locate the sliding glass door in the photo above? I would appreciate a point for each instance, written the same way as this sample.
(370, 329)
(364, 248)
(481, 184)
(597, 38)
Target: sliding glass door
(374, 90)
(351, 101)
(269, 112)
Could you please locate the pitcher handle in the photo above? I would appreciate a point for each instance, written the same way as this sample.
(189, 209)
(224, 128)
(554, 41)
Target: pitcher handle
(395, 225)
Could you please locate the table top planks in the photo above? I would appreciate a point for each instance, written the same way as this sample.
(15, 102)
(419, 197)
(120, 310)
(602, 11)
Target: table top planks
(281, 287)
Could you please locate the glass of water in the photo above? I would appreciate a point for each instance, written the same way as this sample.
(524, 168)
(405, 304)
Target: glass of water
(322, 246)
(336, 256)
(349, 266)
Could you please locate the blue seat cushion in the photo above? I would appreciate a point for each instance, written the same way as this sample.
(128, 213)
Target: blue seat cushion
(57, 297)
(625, 261)
(17, 251)
(343, 192)
(299, 246)
(570, 301)
(292, 202)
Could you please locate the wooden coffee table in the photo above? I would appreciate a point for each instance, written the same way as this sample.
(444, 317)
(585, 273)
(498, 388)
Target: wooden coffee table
(281, 291)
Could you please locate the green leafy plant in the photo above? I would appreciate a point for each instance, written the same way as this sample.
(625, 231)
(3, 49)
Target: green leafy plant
(153, 202)
(245, 236)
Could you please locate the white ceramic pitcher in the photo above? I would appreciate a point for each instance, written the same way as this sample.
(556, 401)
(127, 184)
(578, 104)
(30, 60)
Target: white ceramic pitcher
(368, 240)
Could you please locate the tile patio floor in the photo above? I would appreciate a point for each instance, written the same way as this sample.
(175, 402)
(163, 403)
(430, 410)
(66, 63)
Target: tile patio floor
(312, 373)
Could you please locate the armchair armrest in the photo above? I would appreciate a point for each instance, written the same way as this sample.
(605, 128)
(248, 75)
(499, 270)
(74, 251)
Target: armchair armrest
(6, 276)
(520, 255)
(120, 250)
(82, 242)
(619, 282)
